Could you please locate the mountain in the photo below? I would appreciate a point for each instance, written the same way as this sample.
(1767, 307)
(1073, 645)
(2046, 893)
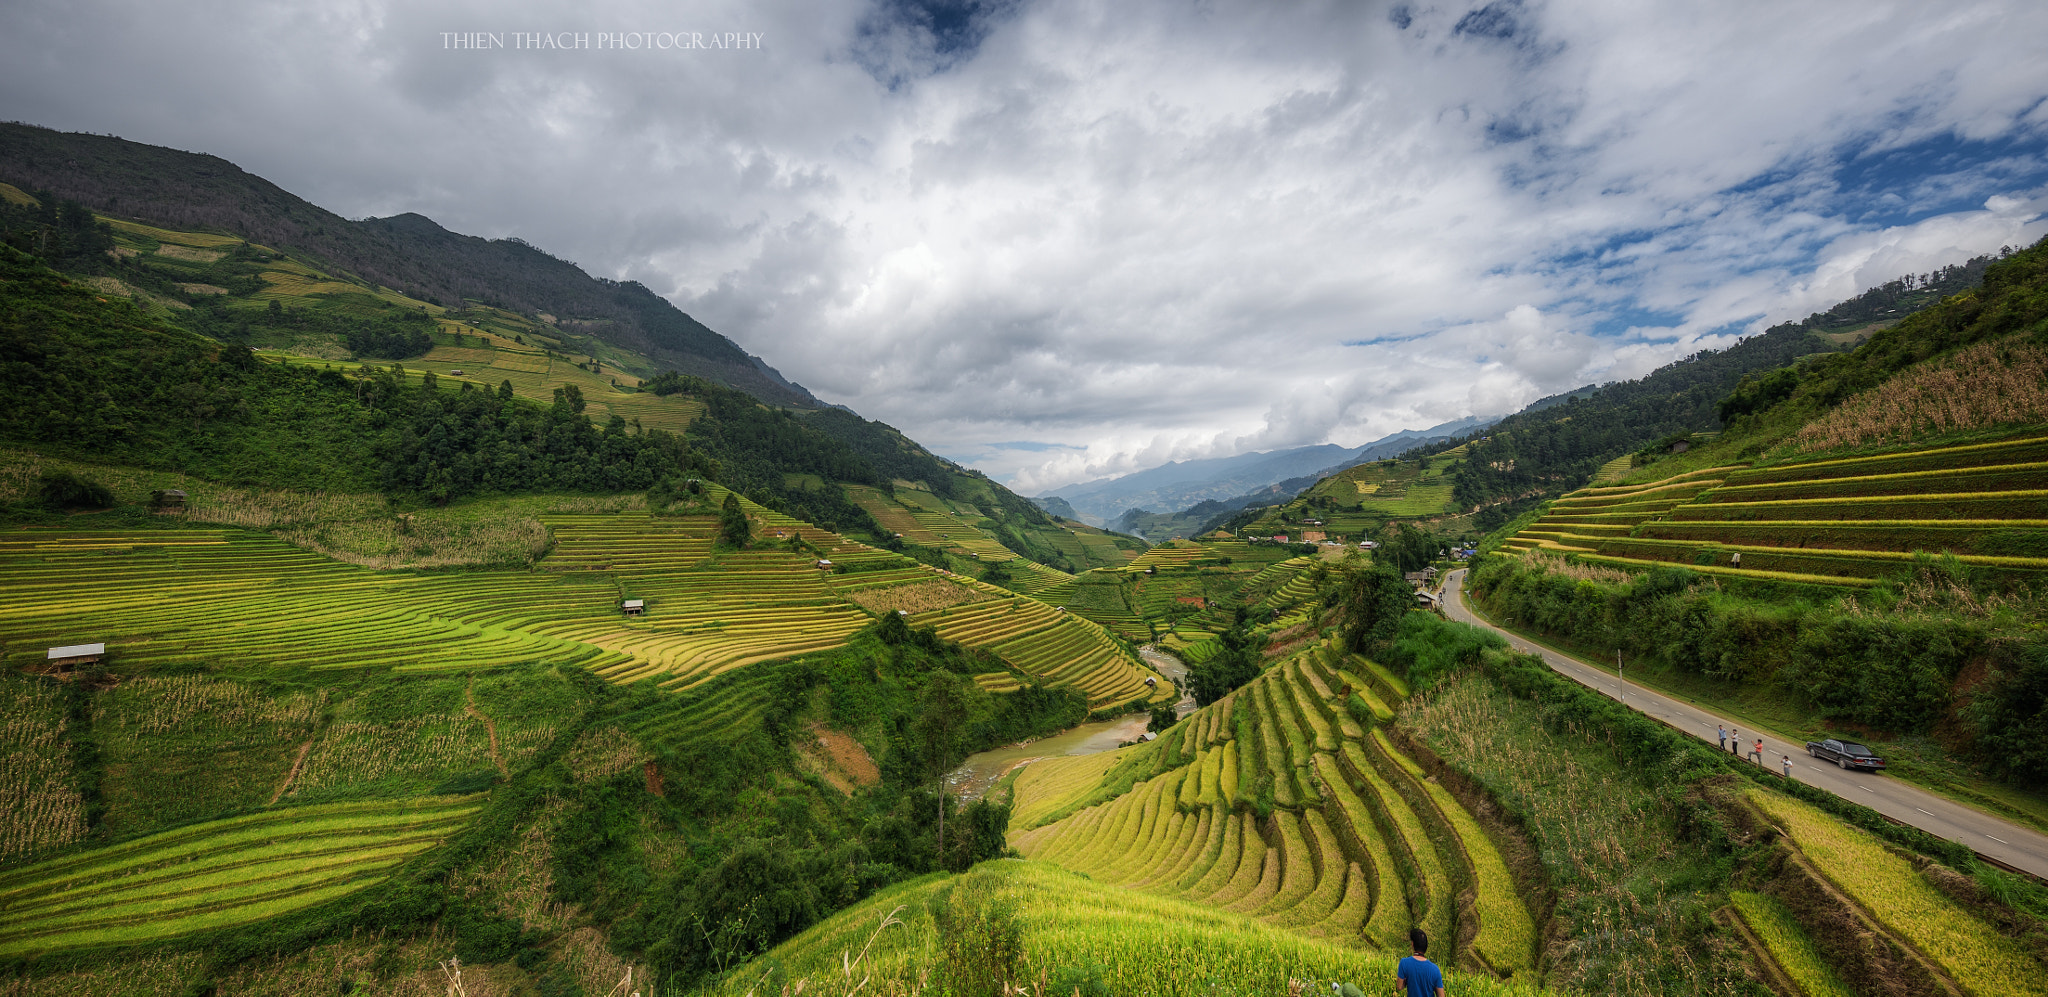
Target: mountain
(1176, 485)
(408, 253)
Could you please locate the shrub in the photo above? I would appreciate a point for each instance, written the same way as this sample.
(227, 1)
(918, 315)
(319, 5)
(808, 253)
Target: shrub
(64, 490)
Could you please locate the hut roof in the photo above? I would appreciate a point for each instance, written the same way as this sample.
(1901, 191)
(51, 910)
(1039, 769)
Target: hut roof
(633, 604)
(76, 651)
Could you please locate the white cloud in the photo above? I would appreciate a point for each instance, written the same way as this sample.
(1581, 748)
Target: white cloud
(1143, 231)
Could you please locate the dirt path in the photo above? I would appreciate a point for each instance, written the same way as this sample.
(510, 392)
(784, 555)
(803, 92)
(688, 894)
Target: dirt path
(292, 776)
(490, 726)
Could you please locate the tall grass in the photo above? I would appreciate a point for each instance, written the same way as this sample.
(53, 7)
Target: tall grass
(1990, 384)
(1629, 889)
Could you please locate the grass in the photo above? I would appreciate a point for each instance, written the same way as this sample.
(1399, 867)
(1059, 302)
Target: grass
(1628, 905)
(1886, 885)
(1787, 944)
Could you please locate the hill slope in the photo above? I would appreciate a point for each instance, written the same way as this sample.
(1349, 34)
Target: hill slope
(406, 253)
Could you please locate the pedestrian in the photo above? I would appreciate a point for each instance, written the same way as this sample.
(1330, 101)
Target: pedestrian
(1788, 766)
(1416, 974)
(1757, 752)
(1723, 729)
(1734, 742)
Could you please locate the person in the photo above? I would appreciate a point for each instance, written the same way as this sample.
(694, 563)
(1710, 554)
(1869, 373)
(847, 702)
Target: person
(1723, 729)
(1416, 975)
(1788, 766)
(1735, 742)
(1757, 753)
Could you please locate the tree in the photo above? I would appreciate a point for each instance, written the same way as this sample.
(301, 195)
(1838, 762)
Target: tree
(733, 527)
(1374, 602)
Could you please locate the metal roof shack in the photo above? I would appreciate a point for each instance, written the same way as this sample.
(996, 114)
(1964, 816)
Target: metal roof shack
(634, 607)
(64, 659)
(825, 563)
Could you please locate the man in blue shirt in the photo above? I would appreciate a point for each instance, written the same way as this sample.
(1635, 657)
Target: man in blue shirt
(1417, 974)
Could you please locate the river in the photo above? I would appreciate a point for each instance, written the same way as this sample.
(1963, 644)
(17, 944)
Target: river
(984, 769)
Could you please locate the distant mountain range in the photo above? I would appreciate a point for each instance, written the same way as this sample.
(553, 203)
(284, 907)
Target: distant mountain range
(1179, 485)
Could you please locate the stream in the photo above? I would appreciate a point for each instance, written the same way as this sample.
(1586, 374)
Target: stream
(984, 769)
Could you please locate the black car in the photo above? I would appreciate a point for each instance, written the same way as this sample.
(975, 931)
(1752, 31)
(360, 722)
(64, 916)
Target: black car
(1847, 754)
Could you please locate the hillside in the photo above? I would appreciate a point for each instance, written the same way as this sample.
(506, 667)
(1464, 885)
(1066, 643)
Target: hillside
(1177, 485)
(1864, 549)
(407, 254)
(1444, 783)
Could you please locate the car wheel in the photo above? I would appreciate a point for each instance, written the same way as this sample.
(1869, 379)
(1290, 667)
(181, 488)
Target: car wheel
(1843, 762)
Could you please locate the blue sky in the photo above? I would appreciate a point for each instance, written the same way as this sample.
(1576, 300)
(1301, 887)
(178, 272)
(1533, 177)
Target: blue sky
(1067, 239)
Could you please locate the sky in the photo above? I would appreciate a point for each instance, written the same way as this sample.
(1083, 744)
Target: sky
(1062, 240)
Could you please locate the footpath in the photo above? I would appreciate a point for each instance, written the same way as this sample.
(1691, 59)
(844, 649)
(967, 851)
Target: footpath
(2001, 841)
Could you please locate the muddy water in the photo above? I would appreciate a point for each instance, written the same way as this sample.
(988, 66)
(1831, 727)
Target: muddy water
(982, 770)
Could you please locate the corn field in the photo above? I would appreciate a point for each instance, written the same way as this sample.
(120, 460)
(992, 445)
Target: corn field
(39, 807)
(1989, 384)
(920, 597)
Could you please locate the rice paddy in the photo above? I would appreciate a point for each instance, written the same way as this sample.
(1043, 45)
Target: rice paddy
(1137, 943)
(1839, 522)
(1976, 957)
(1273, 802)
(216, 874)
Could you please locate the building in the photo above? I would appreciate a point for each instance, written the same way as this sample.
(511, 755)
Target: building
(824, 564)
(1280, 538)
(634, 607)
(64, 659)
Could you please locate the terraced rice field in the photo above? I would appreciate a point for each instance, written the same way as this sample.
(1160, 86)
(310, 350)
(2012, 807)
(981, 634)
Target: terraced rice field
(1171, 554)
(1966, 951)
(1142, 944)
(1359, 845)
(1833, 522)
(217, 874)
(247, 597)
(1047, 644)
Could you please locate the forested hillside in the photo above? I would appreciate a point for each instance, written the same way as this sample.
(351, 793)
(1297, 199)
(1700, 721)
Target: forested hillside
(407, 253)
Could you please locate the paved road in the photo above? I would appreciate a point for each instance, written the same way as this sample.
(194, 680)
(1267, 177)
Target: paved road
(2021, 847)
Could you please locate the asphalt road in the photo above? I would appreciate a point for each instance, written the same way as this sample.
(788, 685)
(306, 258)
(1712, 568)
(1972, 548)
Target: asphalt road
(2007, 842)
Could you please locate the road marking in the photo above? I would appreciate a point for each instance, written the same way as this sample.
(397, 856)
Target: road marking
(1929, 814)
(1998, 839)
(1866, 789)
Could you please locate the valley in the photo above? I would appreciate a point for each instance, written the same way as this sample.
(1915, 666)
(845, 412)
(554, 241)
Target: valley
(543, 635)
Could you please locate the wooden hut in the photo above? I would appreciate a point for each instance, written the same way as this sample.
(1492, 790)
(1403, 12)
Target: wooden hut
(65, 659)
(634, 607)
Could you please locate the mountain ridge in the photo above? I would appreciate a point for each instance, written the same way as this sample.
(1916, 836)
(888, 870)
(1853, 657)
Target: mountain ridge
(407, 252)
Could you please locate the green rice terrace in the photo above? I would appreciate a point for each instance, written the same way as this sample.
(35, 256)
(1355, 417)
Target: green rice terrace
(1841, 521)
(1286, 802)
(247, 597)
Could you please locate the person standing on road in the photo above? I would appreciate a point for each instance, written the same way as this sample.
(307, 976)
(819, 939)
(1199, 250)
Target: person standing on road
(1723, 729)
(1735, 742)
(1788, 766)
(1757, 753)
(1416, 976)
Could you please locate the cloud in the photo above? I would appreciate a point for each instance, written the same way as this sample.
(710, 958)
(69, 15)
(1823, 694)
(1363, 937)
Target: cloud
(1139, 231)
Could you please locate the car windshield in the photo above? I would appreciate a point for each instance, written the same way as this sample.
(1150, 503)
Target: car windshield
(1855, 749)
